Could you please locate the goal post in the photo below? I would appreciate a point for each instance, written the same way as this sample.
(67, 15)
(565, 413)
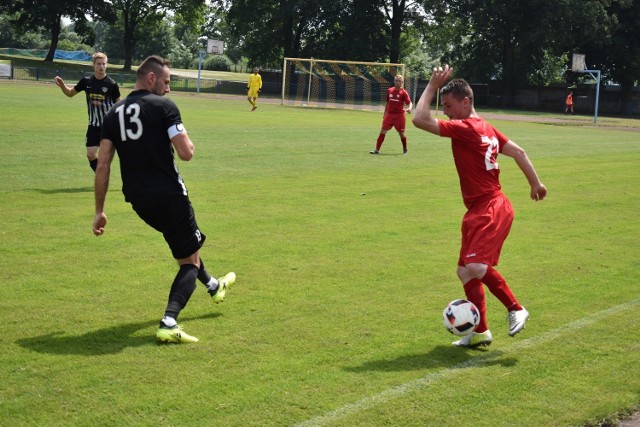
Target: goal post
(337, 84)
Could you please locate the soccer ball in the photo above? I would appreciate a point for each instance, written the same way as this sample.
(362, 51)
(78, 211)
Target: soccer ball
(461, 317)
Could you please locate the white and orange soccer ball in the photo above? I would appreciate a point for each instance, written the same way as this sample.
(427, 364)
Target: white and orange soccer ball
(461, 317)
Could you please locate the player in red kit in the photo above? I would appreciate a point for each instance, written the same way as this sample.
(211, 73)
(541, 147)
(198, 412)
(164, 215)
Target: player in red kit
(394, 111)
(486, 224)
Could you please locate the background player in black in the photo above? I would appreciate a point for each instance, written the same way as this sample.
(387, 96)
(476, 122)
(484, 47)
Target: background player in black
(145, 129)
(102, 93)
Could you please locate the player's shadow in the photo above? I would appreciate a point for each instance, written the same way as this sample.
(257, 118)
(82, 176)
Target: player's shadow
(64, 190)
(440, 357)
(100, 342)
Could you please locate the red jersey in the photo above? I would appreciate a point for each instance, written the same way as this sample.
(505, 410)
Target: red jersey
(475, 145)
(396, 100)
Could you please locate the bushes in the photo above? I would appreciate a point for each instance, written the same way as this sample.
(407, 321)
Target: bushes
(217, 63)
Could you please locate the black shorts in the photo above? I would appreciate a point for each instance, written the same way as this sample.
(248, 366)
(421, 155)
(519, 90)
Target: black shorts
(93, 136)
(175, 219)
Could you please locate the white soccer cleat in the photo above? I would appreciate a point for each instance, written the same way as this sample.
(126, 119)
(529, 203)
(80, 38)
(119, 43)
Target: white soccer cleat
(517, 320)
(475, 339)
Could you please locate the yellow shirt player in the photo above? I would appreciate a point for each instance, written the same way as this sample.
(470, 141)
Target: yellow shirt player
(253, 88)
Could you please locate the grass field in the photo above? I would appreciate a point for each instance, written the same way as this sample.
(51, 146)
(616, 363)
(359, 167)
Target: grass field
(344, 263)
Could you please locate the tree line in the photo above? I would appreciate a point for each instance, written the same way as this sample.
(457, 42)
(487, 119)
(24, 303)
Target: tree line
(516, 42)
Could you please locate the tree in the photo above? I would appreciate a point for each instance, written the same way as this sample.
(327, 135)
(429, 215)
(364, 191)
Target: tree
(267, 30)
(20, 40)
(216, 27)
(614, 47)
(44, 14)
(136, 17)
(367, 30)
(510, 40)
(623, 53)
(400, 13)
(355, 30)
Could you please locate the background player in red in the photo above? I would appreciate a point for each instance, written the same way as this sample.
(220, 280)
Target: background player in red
(394, 111)
(486, 224)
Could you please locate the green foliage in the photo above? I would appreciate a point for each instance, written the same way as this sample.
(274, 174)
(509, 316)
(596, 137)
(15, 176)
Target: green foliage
(136, 19)
(185, 46)
(416, 55)
(70, 40)
(216, 63)
(344, 261)
(155, 37)
(334, 37)
(522, 43)
(552, 70)
(10, 37)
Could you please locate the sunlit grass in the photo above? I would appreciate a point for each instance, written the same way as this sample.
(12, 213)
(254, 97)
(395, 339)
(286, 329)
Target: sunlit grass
(344, 262)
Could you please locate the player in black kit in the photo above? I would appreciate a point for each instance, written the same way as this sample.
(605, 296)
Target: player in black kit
(145, 129)
(102, 93)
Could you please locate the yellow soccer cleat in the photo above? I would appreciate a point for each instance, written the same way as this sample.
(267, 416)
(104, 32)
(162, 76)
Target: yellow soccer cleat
(174, 335)
(223, 284)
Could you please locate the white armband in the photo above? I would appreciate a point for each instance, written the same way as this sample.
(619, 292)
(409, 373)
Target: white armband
(175, 130)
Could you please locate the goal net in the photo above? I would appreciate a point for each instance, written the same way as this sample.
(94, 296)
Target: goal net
(337, 84)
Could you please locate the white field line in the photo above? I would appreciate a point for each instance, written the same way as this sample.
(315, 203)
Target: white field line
(406, 388)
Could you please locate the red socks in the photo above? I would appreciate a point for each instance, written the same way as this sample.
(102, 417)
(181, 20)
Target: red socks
(380, 141)
(499, 288)
(474, 291)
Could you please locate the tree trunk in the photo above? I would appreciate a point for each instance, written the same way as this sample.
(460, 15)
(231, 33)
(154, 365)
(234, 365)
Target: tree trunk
(287, 36)
(396, 29)
(129, 42)
(56, 27)
(508, 58)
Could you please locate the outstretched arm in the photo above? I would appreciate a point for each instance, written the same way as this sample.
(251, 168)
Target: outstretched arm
(538, 190)
(422, 114)
(70, 91)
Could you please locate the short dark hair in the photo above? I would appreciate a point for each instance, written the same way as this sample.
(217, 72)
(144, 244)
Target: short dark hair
(459, 88)
(153, 63)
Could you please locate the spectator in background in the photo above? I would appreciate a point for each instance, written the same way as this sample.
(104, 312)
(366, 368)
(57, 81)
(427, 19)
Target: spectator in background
(569, 103)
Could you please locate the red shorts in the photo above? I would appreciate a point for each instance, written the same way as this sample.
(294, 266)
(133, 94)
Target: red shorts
(397, 120)
(485, 227)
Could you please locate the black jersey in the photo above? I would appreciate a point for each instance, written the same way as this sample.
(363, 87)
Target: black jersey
(101, 96)
(139, 127)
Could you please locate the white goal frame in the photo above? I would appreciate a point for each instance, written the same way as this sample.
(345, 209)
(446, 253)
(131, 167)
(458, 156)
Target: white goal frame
(337, 84)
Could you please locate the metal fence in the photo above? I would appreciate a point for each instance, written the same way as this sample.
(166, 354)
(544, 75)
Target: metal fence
(127, 80)
(486, 95)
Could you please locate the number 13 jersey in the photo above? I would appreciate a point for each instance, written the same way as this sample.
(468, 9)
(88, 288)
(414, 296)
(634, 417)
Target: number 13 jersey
(141, 127)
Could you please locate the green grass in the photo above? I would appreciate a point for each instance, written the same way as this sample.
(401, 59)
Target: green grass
(344, 262)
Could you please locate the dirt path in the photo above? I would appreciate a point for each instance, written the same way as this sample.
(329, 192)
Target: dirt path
(634, 421)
